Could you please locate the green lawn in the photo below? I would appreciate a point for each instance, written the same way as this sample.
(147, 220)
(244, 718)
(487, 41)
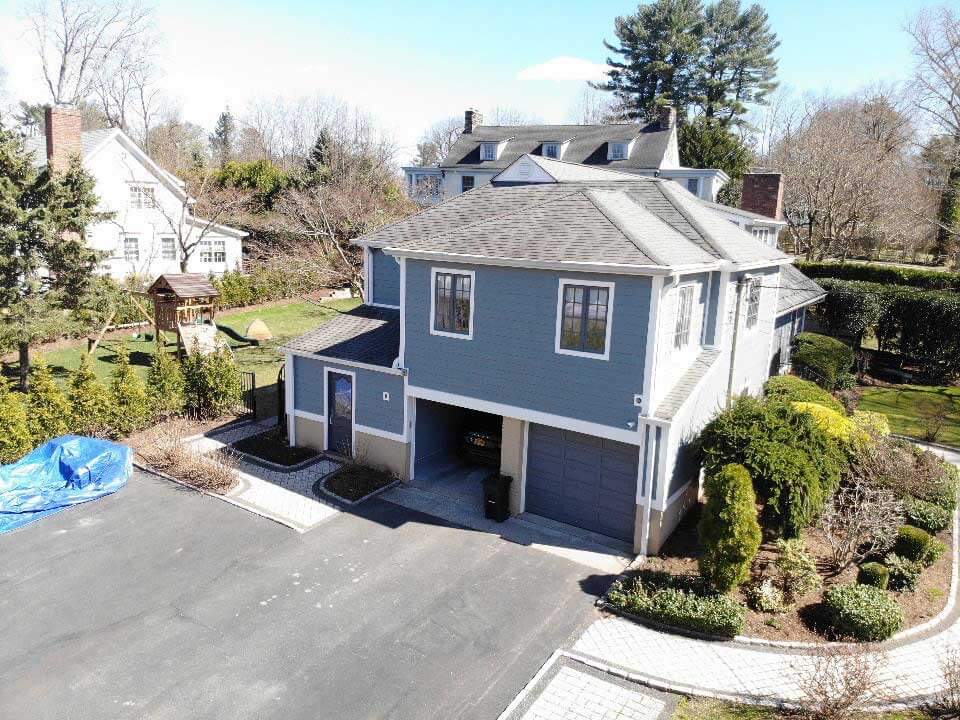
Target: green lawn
(903, 405)
(285, 322)
(701, 709)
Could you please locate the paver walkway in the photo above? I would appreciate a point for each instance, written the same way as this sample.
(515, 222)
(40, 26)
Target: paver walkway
(282, 495)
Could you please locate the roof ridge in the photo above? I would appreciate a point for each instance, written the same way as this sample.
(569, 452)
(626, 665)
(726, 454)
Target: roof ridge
(548, 160)
(593, 197)
(670, 195)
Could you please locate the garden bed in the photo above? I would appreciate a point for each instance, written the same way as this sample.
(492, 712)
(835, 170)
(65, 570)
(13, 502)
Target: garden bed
(354, 482)
(272, 448)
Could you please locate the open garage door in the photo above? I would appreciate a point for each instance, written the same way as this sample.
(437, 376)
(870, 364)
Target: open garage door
(582, 480)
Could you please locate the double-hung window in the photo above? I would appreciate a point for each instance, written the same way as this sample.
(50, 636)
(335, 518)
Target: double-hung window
(551, 150)
(131, 248)
(753, 302)
(213, 251)
(488, 151)
(452, 303)
(583, 320)
(142, 197)
(681, 332)
(168, 248)
(618, 151)
(466, 183)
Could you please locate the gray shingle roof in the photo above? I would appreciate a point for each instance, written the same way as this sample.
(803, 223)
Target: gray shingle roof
(796, 290)
(365, 334)
(588, 145)
(89, 140)
(687, 384)
(748, 214)
(186, 285)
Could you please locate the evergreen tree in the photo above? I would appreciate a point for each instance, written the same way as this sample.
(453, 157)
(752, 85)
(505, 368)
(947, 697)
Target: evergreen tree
(729, 529)
(224, 138)
(90, 401)
(707, 143)
(166, 384)
(48, 408)
(660, 48)
(15, 440)
(320, 158)
(43, 216)
(131, 402)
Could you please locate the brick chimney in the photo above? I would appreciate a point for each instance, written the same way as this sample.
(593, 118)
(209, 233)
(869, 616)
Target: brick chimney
(63, 136)
(668, 117)
(763, 194)
(471, 119)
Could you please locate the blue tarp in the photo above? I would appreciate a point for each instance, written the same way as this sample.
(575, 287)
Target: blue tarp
(66, 471)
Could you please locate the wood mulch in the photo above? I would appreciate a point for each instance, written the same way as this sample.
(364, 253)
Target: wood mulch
(679, 557)
(270, 446)
(353, 482)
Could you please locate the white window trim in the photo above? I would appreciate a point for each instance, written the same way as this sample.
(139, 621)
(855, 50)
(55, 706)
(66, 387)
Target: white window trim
(749, 279)
(353, 407)
(628, 146)
(136, 241)
(558, 146)
(433, 301)
(605, 355)
(693, 300)
(484, 146)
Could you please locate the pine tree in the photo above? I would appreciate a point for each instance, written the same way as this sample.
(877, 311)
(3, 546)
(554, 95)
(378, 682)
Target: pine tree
(43, 216)
(166, 384)
(320, 158)
(131, 402)
(48, 408)
(15, 440)
(708, 143)
(729, 528)
(224, 138)
(91, 403)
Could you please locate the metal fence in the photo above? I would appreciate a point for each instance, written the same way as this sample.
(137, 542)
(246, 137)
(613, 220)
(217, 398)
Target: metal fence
(248, 392)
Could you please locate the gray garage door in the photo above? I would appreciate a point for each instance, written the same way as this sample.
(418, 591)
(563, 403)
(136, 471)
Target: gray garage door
(582, 480)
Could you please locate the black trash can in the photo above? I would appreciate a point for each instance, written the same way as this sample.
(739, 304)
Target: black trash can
(496, 497)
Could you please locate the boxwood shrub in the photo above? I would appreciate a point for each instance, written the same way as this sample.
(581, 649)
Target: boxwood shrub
(681, 603)
(875, 574)
(823, 359)
(926, 515)
(904, 573)
(862, 612)
(916, 544)
(791, 388)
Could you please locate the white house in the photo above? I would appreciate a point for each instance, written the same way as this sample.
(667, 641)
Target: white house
(152, 219)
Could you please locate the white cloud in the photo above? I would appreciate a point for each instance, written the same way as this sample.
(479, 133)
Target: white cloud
(564, 68)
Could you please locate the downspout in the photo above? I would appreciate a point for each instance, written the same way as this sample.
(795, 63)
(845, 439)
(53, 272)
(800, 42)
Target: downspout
(648, 478)
(733, 347)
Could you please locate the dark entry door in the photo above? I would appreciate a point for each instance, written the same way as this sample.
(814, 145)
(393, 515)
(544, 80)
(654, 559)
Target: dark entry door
(340, 420)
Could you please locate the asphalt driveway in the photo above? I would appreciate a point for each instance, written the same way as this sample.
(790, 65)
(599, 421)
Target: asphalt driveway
(160, 603)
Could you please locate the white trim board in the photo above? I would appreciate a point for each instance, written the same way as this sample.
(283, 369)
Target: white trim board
(563, 283)
(340, 361)
(307, 415)
(289, 399)
(433, 301)
(377, 432)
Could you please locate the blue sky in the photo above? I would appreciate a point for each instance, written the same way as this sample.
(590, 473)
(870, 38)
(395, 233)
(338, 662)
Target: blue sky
(409, 64)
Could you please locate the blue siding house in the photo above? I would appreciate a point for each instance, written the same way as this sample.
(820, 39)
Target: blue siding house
(583, 323)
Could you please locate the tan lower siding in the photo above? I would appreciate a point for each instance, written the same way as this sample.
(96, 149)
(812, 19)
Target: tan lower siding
(511, 460)
(663, 522)
(310, 433)
(383, 453)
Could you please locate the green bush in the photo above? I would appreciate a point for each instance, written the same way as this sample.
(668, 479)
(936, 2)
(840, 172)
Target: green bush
(673, 602)
(926, 515)
(915, 544)
(212, 383)
(796, 569)
(904, 573)
(166, 385)
(861, 612)
(885, 274)
(795, 466)
(875, 574)
(132, 408)
(263, 284)
(790, 388)
(90, 402)
(48, 410)
(15, 440)
(765, 596)
(823, 359)
(729, 530)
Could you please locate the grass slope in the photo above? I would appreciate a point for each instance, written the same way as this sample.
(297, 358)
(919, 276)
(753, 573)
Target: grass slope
(902, 405)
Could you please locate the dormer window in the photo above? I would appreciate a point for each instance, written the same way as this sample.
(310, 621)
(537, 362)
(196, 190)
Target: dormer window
(488, 151)
(551, 150)
(619, 151)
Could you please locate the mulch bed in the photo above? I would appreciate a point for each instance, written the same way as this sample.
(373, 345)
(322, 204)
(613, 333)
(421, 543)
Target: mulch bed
(679, 557)
(271, 447)
(353, 482)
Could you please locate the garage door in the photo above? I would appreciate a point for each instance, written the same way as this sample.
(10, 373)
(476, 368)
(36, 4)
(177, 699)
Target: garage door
(582, 480)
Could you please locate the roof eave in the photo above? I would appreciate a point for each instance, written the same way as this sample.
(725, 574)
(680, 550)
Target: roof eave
(805, 303)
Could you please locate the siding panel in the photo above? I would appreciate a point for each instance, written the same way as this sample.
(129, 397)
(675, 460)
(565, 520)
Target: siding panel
(386, 278)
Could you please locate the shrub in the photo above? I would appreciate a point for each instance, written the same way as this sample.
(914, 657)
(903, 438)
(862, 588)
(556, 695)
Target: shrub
(861, 612)
(131, 402)
(926, 515)
(163, 448)
(729, 530)
(790, 388)
(835, 424)
(796, 570)
(90, 402)
(875, 574)
(765, 596)
(861, 521)
(212, 383)
(908, 471)
(822, 359)
(916, 544)
(15, 440)
(838, 682)
(874, 424)
(48, 411)
(904, 573)
(681, 606)
(795, 499)
(886, 274)
(166, 384)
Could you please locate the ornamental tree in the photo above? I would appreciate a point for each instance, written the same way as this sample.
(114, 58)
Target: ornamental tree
(729, 529)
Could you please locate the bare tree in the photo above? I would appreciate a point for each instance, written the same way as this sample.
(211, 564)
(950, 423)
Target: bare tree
(594, 107)
(127, 89)
(947, 702)
(861, 521)
(437, 141)
(838, 682)
(502, 115)
(76, 39)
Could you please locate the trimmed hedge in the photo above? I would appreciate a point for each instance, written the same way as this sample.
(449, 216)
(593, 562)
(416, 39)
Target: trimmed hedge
(904, 573)
(926, 515)
(678, 602)
(729, 530)
(823, 359)
(862, 612)
(886, 274)
(791, 388)
(916, 544)
(875, 574)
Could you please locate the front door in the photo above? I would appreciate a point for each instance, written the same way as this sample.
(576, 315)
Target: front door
(340, 415)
